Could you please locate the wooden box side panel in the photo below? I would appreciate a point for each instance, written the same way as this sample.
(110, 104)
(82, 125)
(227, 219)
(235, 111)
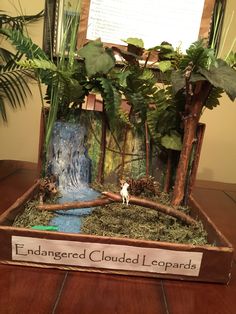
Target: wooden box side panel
(215, 236)
(215, 266)
(7, 218)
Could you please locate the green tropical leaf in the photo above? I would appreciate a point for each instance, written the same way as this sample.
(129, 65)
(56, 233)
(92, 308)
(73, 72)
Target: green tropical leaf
(213, 98)
(18, 22)
(38, 64)
(98, 60)
(3, 113)
(177, 80)
(172, 141)
(5, 56)
(124, 116)
(111, 97)
(222, 76)
(73, 91)
(146, 75)
(199, 55)
(13, 89)
(231, 59)
(13, 79)
(24, 44)
(164, 66)
(122, 77)
(134, 41)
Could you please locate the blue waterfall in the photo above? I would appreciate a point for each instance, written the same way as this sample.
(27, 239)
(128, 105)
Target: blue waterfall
(68, 160)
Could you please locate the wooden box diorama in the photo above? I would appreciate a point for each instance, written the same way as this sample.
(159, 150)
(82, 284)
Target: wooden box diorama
(121, 146)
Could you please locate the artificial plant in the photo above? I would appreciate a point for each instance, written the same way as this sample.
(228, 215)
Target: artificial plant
(13, 78)
(165, 89)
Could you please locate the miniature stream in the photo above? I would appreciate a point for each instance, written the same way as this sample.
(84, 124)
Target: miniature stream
(72, 166)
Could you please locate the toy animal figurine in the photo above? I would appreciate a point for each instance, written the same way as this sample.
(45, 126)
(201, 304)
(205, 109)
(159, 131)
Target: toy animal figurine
(143, 185)
(124, 193)
(47, 188)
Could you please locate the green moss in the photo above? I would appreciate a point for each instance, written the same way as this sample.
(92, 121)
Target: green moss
(31, 216)
(136, 222)
(117, 220)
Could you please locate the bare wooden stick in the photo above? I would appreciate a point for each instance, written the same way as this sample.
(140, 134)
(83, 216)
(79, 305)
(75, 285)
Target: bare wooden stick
(84, 204)
(170, 211)
(113, 197)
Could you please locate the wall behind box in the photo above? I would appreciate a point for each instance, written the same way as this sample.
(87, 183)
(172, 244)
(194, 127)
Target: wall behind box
(19, 139)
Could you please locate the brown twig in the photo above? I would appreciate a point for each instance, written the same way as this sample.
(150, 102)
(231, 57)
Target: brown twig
(111, 197)
(71, 205)
(154, 205)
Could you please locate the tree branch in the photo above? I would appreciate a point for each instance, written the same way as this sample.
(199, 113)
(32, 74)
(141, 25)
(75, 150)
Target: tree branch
(111, 197)
(154, 205)
(83, 204)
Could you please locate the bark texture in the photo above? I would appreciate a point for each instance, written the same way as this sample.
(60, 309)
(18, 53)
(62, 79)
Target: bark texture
(168, 210)
(71, 205)
(191, 119)
(111, 197)
(101, 163)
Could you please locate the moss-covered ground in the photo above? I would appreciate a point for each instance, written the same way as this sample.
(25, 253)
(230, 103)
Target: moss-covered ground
(118, 220)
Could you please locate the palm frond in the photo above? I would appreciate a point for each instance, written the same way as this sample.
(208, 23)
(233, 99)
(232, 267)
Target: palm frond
(13, 90)
(3, 113)
(5, 56)
(18, 22)
(24, 44)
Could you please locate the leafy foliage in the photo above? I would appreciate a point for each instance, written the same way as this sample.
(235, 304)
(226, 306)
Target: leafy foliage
(163, 121)
(111, 98)
(172, 141)
(213, 98)
(98, 60)
(14, 86)
(18, 22)
(199, 55)
(135, 42)
(24, 44)
(140, 91)
(231, 59)
(222, 76)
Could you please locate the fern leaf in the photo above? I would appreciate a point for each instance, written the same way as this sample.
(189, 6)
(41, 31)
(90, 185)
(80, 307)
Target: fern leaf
(213, 98)
(124, 116)
(24, 44)
(38, 64)
(110, 96)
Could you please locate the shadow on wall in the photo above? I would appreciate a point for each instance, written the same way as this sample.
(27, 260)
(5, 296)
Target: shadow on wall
(205, 174)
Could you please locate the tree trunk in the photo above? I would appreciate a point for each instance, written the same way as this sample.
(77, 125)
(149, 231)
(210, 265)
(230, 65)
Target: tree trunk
(191, 120)
(197, 151)
(126, 107)
(168, 172)
(147, 146)
(101, 163)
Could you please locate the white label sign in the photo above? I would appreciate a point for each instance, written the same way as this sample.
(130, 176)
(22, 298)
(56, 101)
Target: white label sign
(176, 22)
(107, 256)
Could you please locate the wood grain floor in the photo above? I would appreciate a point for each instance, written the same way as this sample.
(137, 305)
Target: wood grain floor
(28, 290)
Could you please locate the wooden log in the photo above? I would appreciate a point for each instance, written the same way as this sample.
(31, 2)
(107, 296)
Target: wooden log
(154, 205)
(71, 205)
(113, 197)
